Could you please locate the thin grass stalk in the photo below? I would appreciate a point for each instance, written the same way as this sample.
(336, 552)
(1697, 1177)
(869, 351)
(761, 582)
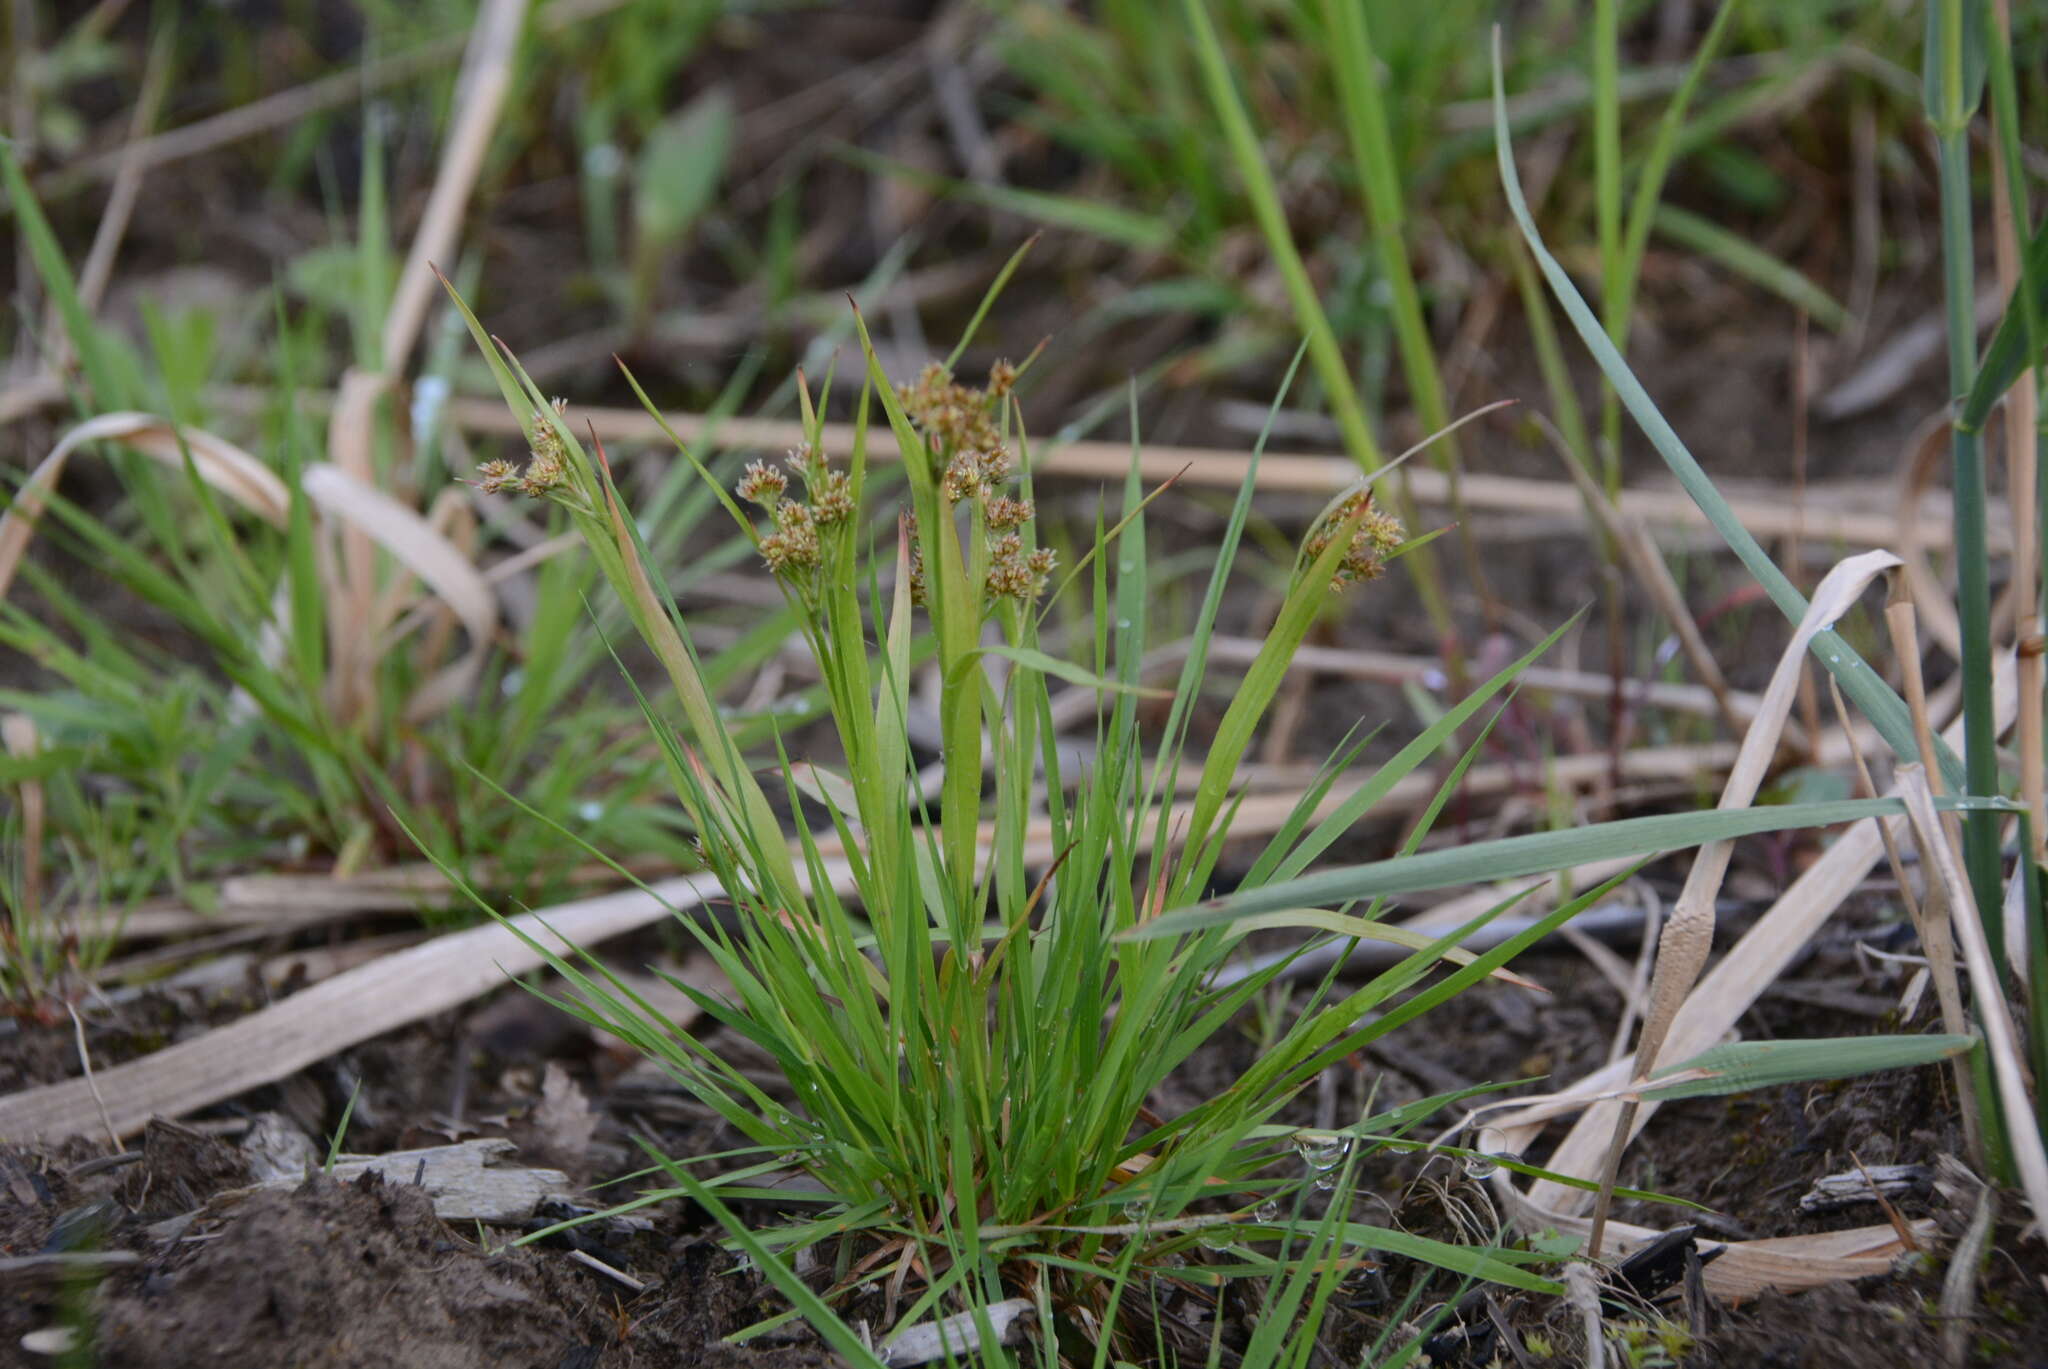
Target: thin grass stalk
(1372, 149)
(1607, 214)
(1951, 100)
(1323, 348)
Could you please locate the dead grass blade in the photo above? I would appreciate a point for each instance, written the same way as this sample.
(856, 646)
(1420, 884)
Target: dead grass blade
(220, 463)
(2000, 1039)
(1689, 933)
(350, 1008)
(414, 544)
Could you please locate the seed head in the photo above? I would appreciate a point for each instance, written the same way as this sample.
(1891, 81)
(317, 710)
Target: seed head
(493, 476)
(1004, 512)
(1378, 535)
(831, 498)
(545, 471)
(962, 479)
(762, 484)
(996, 467)
(793, 546)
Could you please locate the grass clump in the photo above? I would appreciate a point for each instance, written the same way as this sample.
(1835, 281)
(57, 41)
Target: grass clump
(947, 971)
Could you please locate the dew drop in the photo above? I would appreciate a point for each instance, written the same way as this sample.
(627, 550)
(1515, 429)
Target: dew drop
(1487, 1142)
(590, 810)
(1321, 1152)
(514, 681)
(1268, 1211)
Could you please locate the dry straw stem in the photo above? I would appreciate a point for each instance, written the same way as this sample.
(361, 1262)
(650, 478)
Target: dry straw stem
(1689, 934)
(1632, 539)
(1935, 940)
(1999, 1037)
(1844, 515)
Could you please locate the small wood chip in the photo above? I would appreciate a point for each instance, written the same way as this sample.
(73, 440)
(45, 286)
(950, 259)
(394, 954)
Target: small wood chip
(1837, 1191)
(958, 1335)
(466, 1181)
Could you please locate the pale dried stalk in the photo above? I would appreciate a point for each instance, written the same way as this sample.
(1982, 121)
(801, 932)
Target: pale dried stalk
(1928, 922)
(479, 95)
(2000, 1040)
(1689, 933)
(1870, 790)
(1844, 518)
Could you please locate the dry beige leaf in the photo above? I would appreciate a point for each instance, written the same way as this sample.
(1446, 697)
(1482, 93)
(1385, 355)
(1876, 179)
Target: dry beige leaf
(563, 1120)
(220, 463)
(352, 1007)
(415, 545)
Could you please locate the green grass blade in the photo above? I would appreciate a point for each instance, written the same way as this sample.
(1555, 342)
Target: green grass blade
(1745, 259)
(1509, 857)
(1745, 1066)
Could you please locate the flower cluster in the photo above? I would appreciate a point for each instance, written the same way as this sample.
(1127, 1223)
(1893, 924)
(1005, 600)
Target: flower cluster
(1378, 535)
(959, 425)
(1014, 573)
(794, 545)
(955, 417)
(547, 466)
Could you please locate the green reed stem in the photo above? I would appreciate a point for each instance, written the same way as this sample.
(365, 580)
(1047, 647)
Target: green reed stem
(1951, 100)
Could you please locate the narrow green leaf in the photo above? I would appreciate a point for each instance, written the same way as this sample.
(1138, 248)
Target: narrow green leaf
(1509, 857)
(1745, 259)
(2009, 353)
(1033, 659)
(1744, 1066)
(680, 165)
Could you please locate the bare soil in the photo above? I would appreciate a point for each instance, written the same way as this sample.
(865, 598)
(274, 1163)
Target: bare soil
(365, 1274)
